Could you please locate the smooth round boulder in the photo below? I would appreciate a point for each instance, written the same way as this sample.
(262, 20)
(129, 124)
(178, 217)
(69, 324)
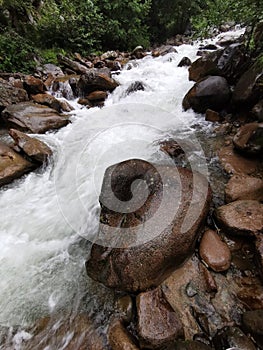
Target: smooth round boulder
(214, 251)
(139, 245)
(209, 93)
(242, 217)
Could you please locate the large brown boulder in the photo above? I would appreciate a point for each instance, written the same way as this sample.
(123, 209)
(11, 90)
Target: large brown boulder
(244, 187)
(158, 324)
(52, 102)
(242, 217)
(31, 117)
(249, 138)
(33, 85)
(248, 89)
(94, 80)
(33, 148)
(10, 94)
(210, 93)
(149, 238)
(225, 63)
(12, 165)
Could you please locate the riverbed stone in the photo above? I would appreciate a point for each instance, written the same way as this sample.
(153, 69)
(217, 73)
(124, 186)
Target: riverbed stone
(257, 110)
(94, 80)
(242, 217)
(32, 147)
(259, 254)
(249, 138)
(10, 95)
(163, 50)
(145, 255)
(209, 93)
(35, 118)
(244, 187)
(185, 62)
(33, 85)
(214, 251)
(190, 345)
(52, 102)
(252, 323)
(158, 324)
(232, 337)
(12, 165)
(97, 95)
(125, 307)
(119, 338)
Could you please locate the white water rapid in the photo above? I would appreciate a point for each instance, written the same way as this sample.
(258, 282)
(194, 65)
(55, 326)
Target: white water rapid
(45, 214)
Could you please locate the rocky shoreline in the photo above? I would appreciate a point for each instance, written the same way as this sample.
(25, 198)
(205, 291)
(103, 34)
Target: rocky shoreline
(198, 290)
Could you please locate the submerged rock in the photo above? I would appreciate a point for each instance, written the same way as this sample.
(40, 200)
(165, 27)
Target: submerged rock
(119, 338)
(214, 251)
(232, 337)
(33, 148)
(242, 217)
(136, 86)
(138, 249)
(158, 324)
(12, 165)
(210, 93)
(185, 62)
(244, 187)
(31, 117)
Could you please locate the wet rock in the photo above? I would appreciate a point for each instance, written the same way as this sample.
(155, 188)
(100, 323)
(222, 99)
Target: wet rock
(12, 165)
(210, 93)
(93, 81)
(125, 306)
(253, 324)
(10, 95)
(70, 333)
(232, 337)
(185, 62)
(212, 116)
(33, 148)
(158, 324)
(52, 69)
(226, 63)
(242, 217)
(33, 85)
(136, 86)
(248, 89)
(99, 64)
(119, 338)
(210, 283)
(244, 187)
(138, 52)
(30, 117)
(73, 65)
(208, 47)
(190, 345)
(140, 257)
(163, 50)
(249, 138)
(47, 100)
(251, 295)
(214, 251)
(234, 163)
(259, 254)
(114, 66)
(172, 148)
(258, 110)
(97, 95)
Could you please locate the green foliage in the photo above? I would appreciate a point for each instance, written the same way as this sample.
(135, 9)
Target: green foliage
(17, 54)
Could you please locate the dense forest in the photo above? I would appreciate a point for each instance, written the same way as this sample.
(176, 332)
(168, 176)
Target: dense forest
(33, 30)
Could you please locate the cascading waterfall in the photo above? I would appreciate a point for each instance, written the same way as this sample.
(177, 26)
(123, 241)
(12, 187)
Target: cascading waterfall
(47, 215)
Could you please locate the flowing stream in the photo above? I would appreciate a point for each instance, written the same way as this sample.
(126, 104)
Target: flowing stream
(49, 216)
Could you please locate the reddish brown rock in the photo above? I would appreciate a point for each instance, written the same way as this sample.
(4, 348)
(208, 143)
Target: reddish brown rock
(12, 165)
(119, 338)
(249, 138)
(163, 50)
(234, 163)
(145, 255)
(97, 95)
(172, 148)
(33, 148)
(52, 102)
(211, 286)
(251, 296)
(242, 217)
(209, 93)
(33, 85)
(244, 187)
(212, 116)
(94, 80)
(214, 251)
(31, 117)
(232, 338)
(158, 324)
(125, 308)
